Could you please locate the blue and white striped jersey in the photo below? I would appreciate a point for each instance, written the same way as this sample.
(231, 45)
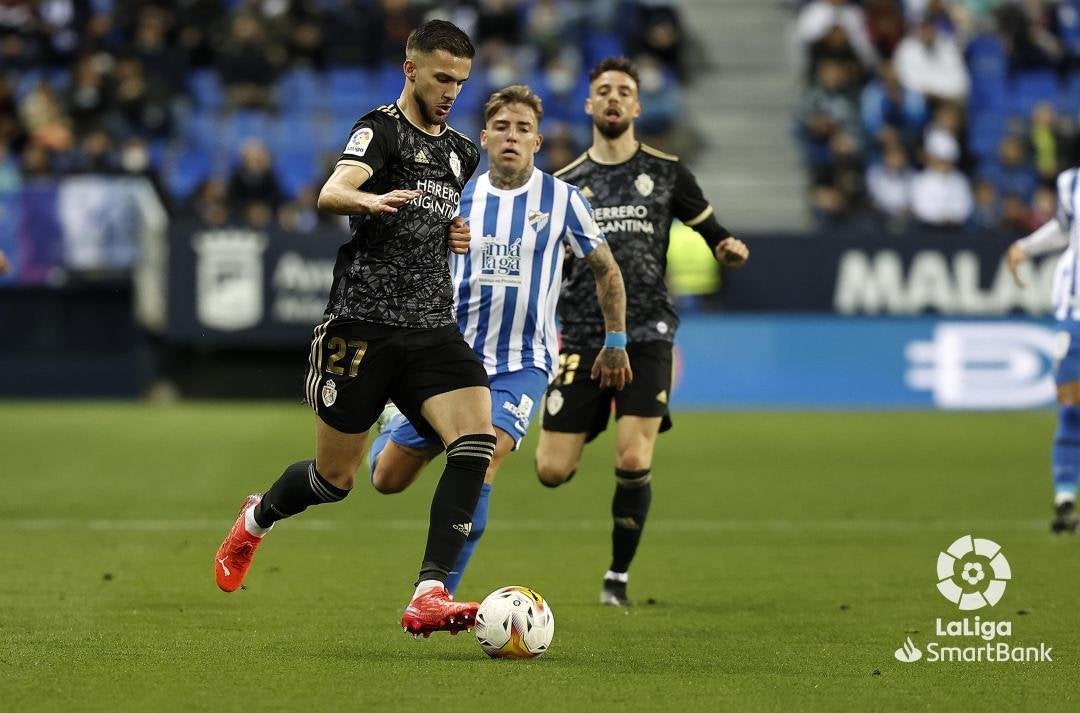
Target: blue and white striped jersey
(1065, 290)
(507, 286)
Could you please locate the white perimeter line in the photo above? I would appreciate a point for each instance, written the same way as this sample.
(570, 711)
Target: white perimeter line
(780, 526)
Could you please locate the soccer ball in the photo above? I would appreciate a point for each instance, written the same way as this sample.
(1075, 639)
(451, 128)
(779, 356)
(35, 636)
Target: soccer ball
(514, 623)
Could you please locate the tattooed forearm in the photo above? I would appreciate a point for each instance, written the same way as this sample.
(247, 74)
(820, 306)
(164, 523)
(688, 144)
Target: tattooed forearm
(610, 290)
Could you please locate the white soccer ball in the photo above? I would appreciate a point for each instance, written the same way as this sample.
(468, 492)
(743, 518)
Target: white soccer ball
(514, 623)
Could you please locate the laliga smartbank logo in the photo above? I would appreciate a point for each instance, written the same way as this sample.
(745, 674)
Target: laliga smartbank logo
(972, 574)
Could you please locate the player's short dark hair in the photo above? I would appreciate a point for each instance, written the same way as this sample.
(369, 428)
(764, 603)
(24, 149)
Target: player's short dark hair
(440, 35)
(514, 94)
(615, 64)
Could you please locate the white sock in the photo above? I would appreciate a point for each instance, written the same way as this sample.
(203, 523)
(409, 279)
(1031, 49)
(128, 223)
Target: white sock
(1063, 496)
(623, 577)
(253, 527)
(426, 586)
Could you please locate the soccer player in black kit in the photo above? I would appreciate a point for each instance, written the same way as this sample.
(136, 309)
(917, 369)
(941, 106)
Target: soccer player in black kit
(635, 191)
(389, 331)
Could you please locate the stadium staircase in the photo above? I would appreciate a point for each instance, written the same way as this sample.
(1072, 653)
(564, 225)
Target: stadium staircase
(742, 104)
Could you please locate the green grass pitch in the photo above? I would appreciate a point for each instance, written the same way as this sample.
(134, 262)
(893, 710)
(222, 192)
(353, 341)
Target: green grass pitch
(786, 557)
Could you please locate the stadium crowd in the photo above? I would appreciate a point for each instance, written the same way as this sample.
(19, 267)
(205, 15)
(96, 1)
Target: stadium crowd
(945, 113)
(236, 109)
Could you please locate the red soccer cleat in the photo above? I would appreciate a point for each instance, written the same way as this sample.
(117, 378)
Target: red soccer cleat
(234, 556)
(435, 610)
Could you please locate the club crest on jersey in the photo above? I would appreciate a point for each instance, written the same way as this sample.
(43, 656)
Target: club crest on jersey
(329, 393)
(538, 220)
(455, 164)
(644, 184)
(554, 402)
(359, 142)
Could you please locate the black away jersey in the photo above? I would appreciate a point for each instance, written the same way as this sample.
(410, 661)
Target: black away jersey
(394, 271)
(633, 203)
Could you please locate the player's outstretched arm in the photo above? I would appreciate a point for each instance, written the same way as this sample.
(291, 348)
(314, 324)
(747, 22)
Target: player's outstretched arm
(1046, 239)
(341, 194)
(612, 366)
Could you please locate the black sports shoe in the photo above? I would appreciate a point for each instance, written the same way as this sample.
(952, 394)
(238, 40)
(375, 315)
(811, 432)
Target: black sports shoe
(614, 594)
(1065, 519)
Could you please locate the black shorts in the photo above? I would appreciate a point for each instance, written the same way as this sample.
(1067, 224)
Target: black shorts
(575, 403)
(354, 367)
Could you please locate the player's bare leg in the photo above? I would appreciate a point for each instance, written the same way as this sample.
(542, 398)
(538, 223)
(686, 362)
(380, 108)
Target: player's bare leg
(398, 467)
(557, 456)
(1066, 459)
(327, 479)
(462, 418)
(634, 445)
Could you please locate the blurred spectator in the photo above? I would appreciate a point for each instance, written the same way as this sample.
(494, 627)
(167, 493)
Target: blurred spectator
(211, 203)
(1029, 36)
(197, 21)
(392, 22)
(498, 20)
(1047, 141)
(820, 18)
(889, 183)
(658, 33)
(1011, 174)
(558, 149)
(987, 211)
(930, 63)
(45, 120)
(941, 195)
(884, 25)
(161, 63)
(828, 106)
(1015, 214)
(253, 188)
(659, 98)
(1043, 207)
(142, 108)
(89, 97)
(248, 63)
(96, 154)
(838, 183)
(886, 103)
(301, 215)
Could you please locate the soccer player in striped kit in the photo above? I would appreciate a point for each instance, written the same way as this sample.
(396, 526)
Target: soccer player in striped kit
(1061, 233)
(506, 292)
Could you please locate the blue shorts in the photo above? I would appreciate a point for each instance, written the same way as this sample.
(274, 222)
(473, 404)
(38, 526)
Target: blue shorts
(515, 396)
(1067, 352)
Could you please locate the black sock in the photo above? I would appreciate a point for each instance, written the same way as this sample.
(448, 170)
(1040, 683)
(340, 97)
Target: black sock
(298, 487)
(454, 501)
(629, 508)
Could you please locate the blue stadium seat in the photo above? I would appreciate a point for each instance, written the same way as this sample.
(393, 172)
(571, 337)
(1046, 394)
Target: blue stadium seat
(206, 89)
(301, 91)
(599, 45)
(351, 87)
(985, 131)
(296, 170)
(296, 132)
(186, 172)
(1029, 88)
(1069, 99)
(242, 125)
(986, 57)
